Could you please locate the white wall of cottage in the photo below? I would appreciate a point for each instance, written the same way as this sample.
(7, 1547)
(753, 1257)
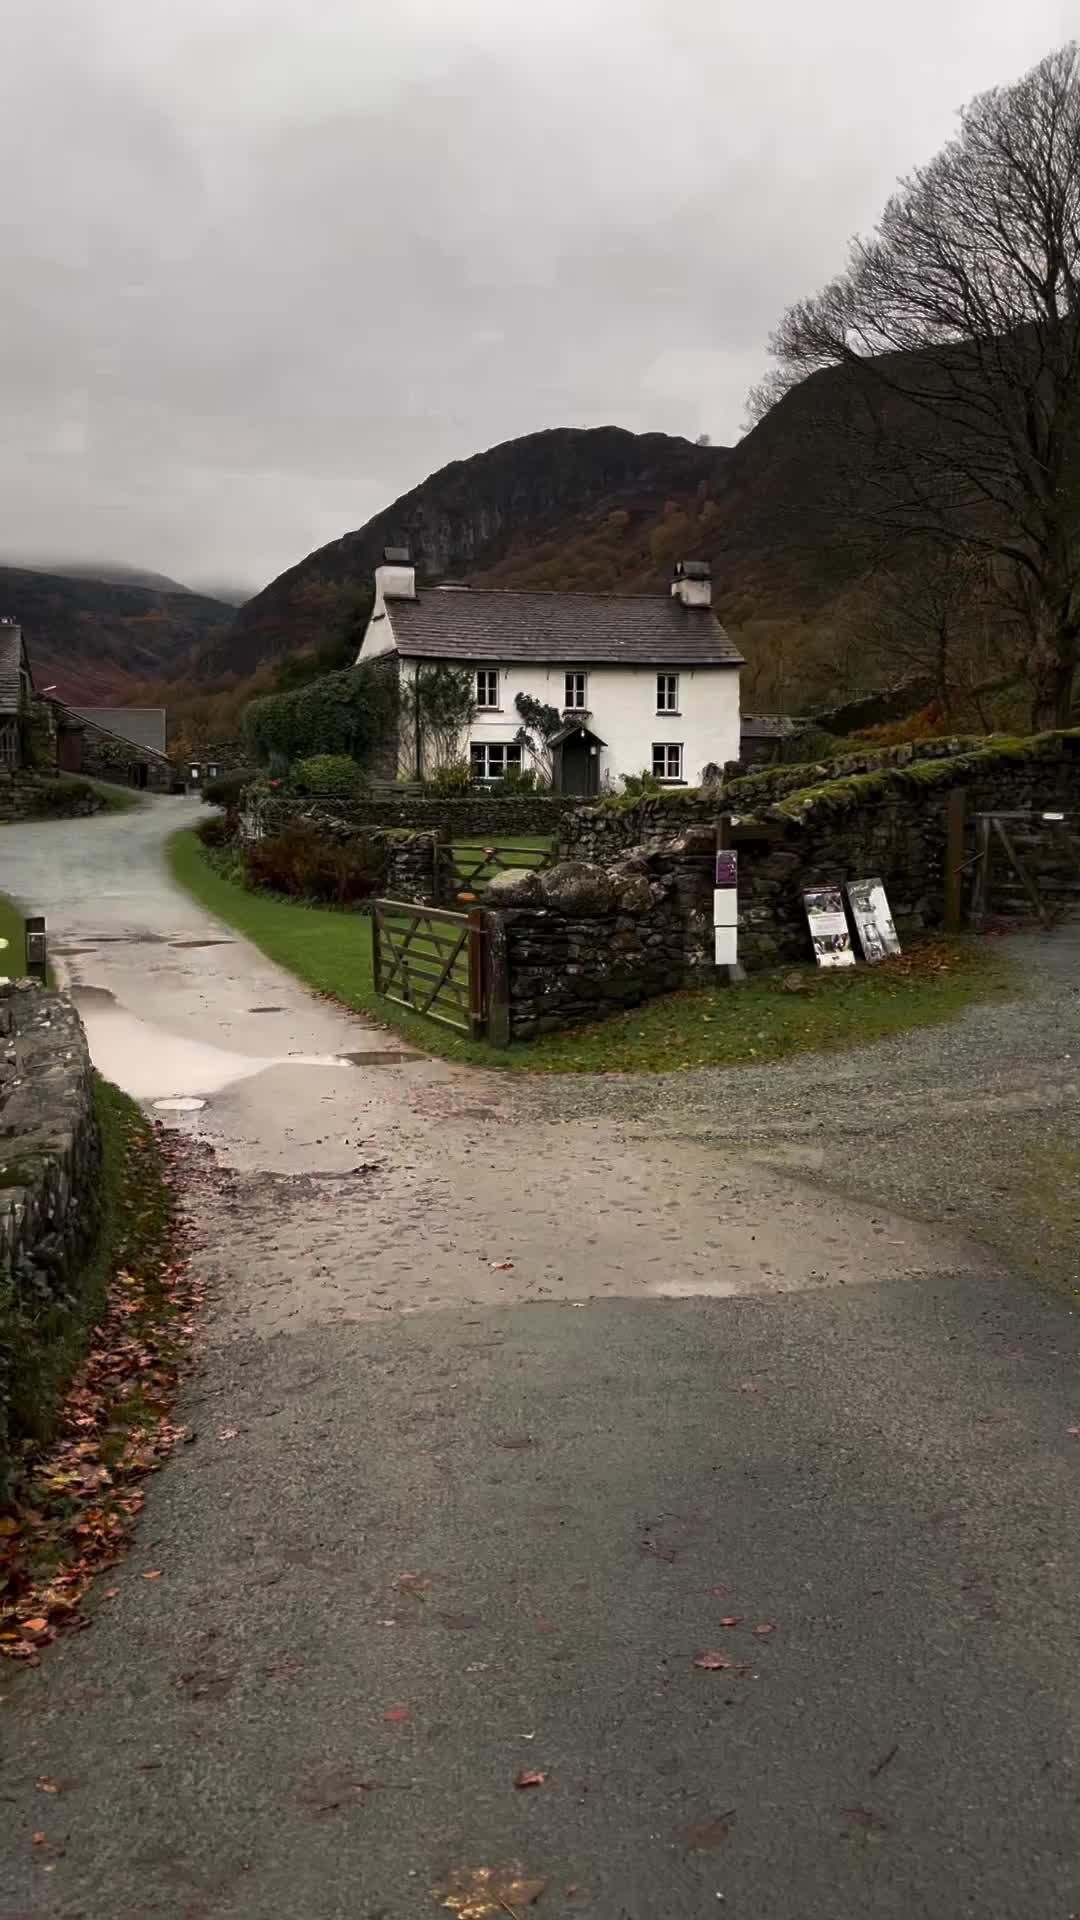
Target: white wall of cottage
(621, 705)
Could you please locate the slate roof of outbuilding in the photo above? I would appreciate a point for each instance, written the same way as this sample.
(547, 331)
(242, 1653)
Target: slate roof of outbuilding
(583, 629)
(140, 726)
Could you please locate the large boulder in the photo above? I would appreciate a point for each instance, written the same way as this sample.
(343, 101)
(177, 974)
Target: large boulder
(517, 887)
(575, 887)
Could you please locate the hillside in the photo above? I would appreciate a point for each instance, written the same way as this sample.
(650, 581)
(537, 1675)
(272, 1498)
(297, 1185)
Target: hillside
(471, 515)
(97, 640)
(115, 573)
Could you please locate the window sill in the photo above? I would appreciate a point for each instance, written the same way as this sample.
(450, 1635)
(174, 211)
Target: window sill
(669, 713)
(663, 781)
(491, 710)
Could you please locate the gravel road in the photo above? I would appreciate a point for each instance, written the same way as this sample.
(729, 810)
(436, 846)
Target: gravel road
(446, 1519)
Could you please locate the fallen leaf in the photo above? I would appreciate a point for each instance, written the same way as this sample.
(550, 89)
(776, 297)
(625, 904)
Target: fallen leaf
(286, 1669)
(110, 1593)
(530, 1779)
(1073, 1433)
(489, 1893)
(732, 1620)
(766, 1627)
(37, 1840)
(713, 1662)
(229, 1433)
(502, 1266)
(47, 1786)
(36, 1626)
(413, 1583)
(156, 1575)
(711, 1833)
(863, 1817)
(396, 1715)
(8, 1526)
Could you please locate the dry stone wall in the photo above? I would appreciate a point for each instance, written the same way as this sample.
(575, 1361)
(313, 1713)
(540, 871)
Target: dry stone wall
(583, 941)
(50, 1177)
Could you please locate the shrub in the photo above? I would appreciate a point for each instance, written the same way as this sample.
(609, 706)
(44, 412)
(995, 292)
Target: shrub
(455, 777)
(68, 796)
(638, 784)
(228, 790)
(332, 776)
(215, 832)
(516, 780)
(304, 867)
(352, 713)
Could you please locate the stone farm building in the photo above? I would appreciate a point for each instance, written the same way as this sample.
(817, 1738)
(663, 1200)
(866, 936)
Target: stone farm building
(642, 682)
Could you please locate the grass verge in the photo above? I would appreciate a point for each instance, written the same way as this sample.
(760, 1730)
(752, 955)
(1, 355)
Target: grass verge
(117, 799)
(709, 1027)
(13, 930)
(91, 1387)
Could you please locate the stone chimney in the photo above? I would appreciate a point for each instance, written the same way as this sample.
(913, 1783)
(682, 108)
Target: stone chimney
(395, 579)
(693, 583)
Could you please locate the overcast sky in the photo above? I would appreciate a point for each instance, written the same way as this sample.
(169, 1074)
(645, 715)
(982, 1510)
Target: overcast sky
(268, 263)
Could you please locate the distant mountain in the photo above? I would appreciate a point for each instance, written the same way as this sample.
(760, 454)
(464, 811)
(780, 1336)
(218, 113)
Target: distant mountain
(97, 639)
(115, 574)
(471, 515)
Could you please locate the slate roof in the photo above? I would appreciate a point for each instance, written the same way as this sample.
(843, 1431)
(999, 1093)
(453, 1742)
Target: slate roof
(12, 657)
(139, 726)
(582, 629)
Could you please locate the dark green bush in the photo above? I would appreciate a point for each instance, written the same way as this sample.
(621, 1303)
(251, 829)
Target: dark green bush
(351, 713)
(215, 832)
(229, 789)
(302, 866)
(68, 796)
(330, 776)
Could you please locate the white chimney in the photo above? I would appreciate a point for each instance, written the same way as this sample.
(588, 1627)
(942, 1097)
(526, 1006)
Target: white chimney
(693, 583)
(395, 579)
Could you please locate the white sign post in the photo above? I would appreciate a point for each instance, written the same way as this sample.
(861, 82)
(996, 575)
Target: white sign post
(726, 909)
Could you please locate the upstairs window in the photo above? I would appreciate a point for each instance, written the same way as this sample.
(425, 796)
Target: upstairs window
(667, 760)
(576, 693)
(667, 693)
(487, 687)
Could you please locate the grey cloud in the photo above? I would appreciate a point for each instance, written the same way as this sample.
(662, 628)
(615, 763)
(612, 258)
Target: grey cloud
(268, 265)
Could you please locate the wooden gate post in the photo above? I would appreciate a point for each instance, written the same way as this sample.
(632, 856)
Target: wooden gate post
(955, 813)
(477, 982)
(498, 981)
(376, 948)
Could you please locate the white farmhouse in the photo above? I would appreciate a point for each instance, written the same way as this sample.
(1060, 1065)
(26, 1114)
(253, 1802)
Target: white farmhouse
(643, 682)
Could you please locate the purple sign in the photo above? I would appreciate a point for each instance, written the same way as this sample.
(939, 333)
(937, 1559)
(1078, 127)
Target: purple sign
(727, 870)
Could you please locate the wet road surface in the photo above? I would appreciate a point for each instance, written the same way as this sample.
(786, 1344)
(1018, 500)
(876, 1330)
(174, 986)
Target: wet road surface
(511, 1507)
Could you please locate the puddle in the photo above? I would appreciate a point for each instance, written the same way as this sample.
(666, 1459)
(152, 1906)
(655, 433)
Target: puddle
(182, 946)
(393, 1057)
(179, 1074)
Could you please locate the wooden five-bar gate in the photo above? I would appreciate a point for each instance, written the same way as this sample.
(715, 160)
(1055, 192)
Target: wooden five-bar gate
(448, 966)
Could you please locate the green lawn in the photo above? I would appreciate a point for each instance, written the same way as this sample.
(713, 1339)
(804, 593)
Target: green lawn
(13, 930)
(709, 1027)
(517, 850)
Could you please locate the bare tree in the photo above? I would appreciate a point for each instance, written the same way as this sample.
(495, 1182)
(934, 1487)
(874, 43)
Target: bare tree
(941, 624)
(956, 328)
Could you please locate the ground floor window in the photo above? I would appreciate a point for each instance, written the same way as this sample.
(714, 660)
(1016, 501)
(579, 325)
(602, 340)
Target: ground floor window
(667, 760)
(493, 759)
